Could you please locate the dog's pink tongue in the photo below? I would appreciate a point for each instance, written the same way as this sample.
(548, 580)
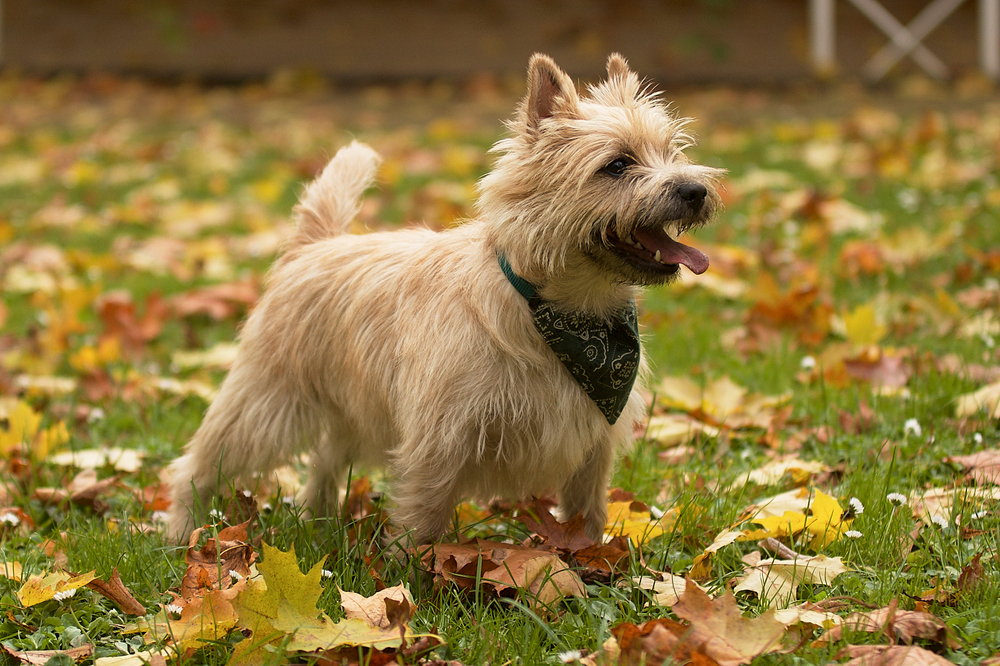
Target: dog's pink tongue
(672, 252)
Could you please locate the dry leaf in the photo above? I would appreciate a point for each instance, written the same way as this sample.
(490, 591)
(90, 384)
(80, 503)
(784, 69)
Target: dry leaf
(212, 567)
(504, 569)
(891, 655)
(374, 609)
(777, 581)
(115, 590)
(41, 657)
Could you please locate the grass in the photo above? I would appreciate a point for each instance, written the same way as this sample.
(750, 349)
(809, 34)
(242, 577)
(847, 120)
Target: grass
(96, 168)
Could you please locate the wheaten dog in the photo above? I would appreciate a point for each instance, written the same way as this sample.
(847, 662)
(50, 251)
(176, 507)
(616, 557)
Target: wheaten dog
(499, 358)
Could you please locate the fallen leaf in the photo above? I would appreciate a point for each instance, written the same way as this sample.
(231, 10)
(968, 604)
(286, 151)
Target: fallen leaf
(985, 400)
(899, 625)
(222, 561)
(718, 627)
(374, 609)
(42, 588)
(219, 301)
(983, 467)
(41, 657)
(115, 590)
(123, 460)
(666, 590)
(504, 569)
(11, 570)
(568, 536)
(891, 655)
(776, 582)
(772, 472)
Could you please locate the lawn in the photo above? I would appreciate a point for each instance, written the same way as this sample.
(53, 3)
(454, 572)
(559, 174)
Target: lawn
(816, 482)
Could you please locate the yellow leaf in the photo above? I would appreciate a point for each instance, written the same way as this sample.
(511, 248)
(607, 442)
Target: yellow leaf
(862, 326)
(639, 526)
(49, 439)
(22, 424)
(11, 570)
(42, 588)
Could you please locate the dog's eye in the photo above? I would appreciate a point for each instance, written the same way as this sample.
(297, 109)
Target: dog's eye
(618, 166)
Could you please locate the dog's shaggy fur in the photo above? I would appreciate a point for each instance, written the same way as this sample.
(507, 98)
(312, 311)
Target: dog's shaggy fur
(411, 348)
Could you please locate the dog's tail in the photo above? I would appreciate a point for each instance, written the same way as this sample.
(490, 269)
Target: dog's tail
(332, 200)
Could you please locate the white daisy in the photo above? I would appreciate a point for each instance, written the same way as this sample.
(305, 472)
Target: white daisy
(852, 534)
(940, 521)
(65, 594)
(896, 499)
(807, 363)
(912, 427)
(857, 508)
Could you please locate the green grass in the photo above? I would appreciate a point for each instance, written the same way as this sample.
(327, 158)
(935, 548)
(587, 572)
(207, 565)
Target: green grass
(113, 163)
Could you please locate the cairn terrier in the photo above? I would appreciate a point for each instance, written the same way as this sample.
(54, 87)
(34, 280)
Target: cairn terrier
(500, 358)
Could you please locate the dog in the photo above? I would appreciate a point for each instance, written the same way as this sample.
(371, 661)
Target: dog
(500, 358)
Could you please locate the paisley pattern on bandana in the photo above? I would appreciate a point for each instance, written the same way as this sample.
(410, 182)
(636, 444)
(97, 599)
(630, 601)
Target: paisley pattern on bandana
(601, 355)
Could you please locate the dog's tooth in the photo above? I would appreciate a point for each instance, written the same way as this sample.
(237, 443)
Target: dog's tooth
(657, 256)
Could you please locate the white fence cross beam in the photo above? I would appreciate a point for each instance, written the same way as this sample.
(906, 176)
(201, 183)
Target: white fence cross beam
(905, 40)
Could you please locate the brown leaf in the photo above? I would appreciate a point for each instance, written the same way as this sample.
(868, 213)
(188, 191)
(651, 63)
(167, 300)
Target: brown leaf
(983, 467)
(393, 605)
(899, 625)
(971, 575)
(504, 569)
(220, 301)
(568, 536)
(879, 368)
(890, 655)
(118, 313)
(718, 627)
(40, 657)
(115, 590)
(210, 566)
(602, 560)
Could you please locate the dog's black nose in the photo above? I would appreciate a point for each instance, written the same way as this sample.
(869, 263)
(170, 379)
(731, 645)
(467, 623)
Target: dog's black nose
(693, 193)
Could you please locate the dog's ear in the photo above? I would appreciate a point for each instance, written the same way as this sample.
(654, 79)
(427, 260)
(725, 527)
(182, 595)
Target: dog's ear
(549, 90)
(617, 66)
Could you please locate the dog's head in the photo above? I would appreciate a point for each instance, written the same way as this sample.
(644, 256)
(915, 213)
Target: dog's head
(601, 178)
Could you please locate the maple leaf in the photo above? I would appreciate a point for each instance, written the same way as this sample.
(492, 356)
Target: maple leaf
(719, 628)
(280, 605)
(862, 327)
(504, 569)
(777, 581)
(716, 633)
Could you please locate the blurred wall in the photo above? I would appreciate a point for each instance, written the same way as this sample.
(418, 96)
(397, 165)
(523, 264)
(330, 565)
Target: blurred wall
(742, 41)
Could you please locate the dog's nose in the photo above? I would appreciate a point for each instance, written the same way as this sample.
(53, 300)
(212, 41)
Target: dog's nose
(693, 193)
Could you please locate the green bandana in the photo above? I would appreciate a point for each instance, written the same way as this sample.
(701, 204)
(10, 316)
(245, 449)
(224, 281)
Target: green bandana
(602, 356)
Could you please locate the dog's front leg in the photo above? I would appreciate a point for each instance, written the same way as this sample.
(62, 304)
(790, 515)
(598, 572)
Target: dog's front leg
(586, 491)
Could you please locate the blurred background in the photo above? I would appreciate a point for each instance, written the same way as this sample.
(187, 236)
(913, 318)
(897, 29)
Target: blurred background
(672, 41)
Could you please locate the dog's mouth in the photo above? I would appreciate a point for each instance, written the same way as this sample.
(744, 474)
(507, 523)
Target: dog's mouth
(651, 248)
